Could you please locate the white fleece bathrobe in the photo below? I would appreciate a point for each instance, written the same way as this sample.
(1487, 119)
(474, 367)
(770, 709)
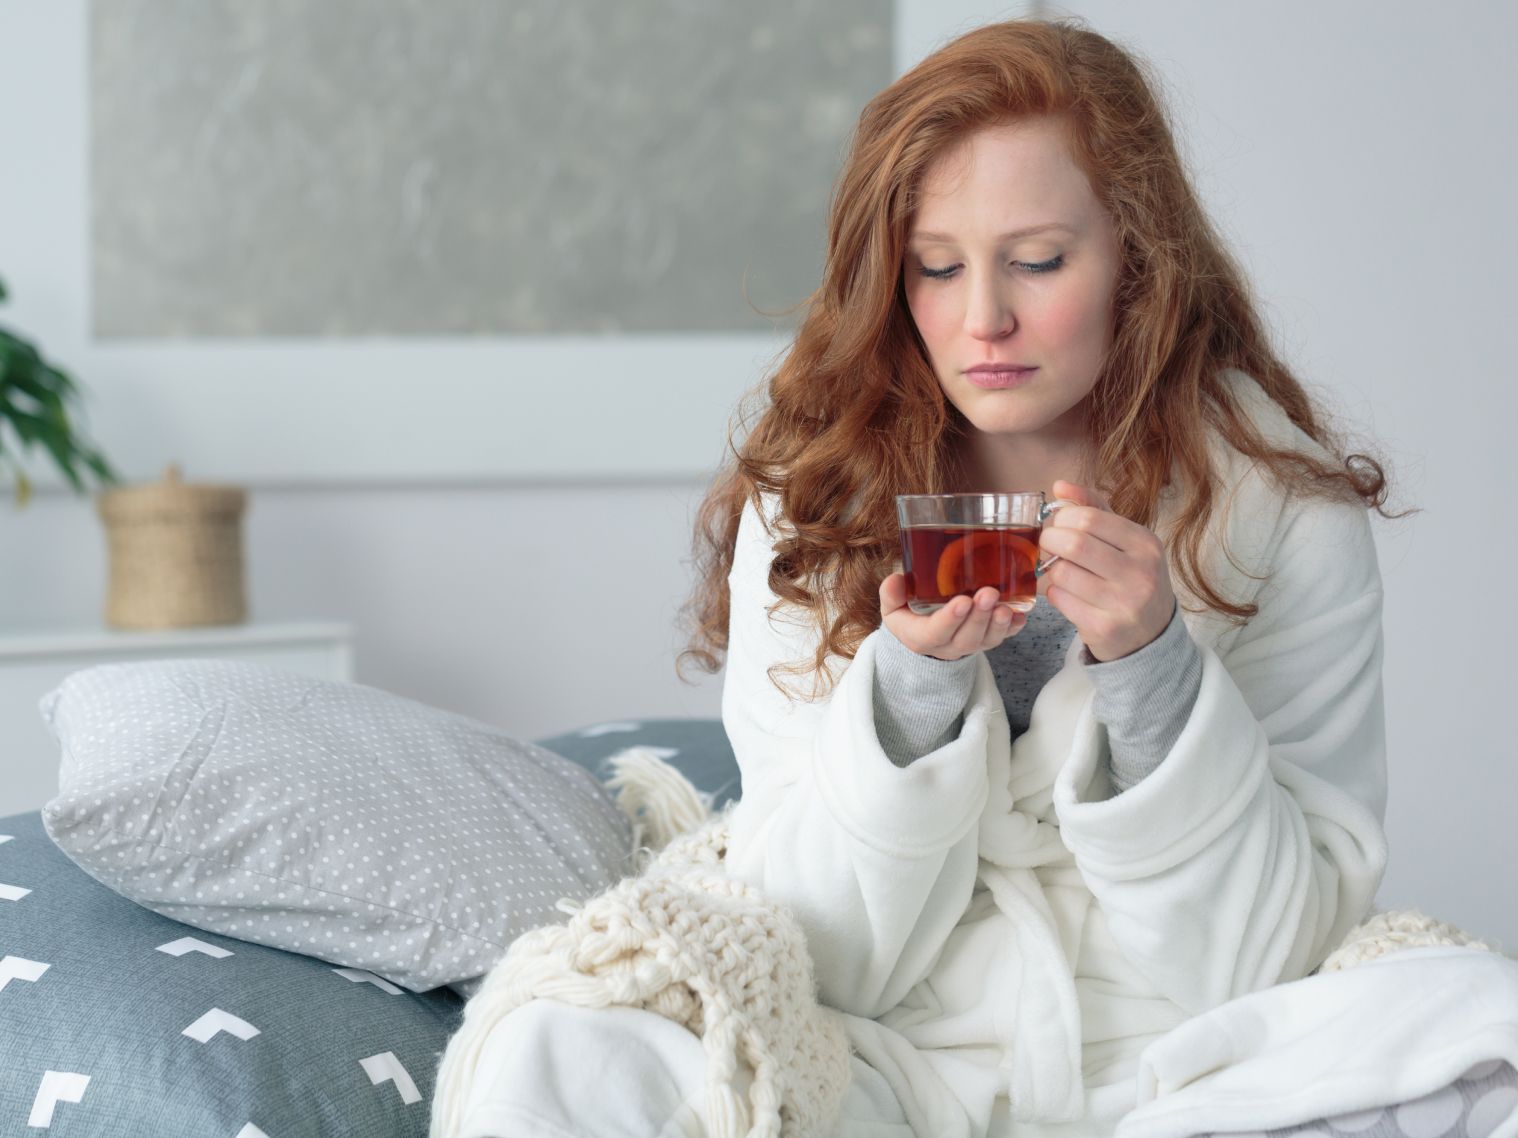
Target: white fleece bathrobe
(1004, 936)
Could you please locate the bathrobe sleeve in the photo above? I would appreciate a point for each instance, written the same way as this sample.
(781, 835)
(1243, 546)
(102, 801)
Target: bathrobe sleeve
(877, 862)
(1257, 843)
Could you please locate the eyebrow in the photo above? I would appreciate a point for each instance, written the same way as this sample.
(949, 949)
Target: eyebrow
(1026, 231)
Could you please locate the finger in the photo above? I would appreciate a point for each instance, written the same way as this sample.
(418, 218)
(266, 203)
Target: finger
(920, 633)
(972, 632)
(1116, 530)
(1085, 495)
(1077, 610)
(1004, 623)
(1129, 602)
(1080, 583)
(933, 633)
(940, 633)
(944, 623)
(1084, 548)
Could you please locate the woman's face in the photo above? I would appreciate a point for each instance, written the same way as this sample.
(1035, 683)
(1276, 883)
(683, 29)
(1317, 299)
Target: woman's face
(1011, 262)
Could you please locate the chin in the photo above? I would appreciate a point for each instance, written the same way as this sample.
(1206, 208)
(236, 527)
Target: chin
(1014, 412)
(1007, 420)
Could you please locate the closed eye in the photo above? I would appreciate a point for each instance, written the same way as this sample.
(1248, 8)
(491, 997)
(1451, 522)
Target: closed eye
(1042, 266)
(1048, 266)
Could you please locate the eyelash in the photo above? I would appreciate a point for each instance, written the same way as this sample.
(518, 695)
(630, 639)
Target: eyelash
(1040, 267)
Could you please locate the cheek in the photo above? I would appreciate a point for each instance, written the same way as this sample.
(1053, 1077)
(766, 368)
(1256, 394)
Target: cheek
(1078, 326)
(1075, 321)
(934, 315)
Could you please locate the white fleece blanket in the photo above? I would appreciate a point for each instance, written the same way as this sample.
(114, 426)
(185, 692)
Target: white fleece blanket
(1403, 1007)
(1387, 1031)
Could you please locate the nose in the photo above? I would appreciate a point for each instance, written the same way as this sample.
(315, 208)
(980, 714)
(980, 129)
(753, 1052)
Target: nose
(988, 315)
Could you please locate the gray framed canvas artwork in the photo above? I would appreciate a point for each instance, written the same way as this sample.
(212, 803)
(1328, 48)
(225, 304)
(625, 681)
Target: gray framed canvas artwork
(467, 167)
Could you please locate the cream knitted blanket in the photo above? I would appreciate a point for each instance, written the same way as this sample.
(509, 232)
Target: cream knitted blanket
(685, 940)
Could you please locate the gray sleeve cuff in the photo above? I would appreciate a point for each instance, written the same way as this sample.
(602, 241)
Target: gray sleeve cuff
(919, 701)
(1145, 698)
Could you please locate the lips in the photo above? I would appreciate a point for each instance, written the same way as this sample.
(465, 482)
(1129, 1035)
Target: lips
(998, 375)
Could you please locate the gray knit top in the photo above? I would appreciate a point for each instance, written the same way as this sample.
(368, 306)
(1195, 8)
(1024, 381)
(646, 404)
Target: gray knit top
(1143, 699)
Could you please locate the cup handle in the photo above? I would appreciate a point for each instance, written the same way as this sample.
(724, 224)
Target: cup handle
(1045, 512)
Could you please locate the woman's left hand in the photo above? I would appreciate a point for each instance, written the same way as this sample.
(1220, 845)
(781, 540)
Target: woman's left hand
(1113, 579)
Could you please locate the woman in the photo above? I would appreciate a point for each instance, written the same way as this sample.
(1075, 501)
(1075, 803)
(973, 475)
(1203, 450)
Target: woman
(1154, 399)
(1022, 849)
(1022, 293)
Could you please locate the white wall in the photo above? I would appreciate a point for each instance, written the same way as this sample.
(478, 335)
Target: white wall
(1362, 157)
(281, 411)
(392, 482)
(1359, 155)
(537, 609)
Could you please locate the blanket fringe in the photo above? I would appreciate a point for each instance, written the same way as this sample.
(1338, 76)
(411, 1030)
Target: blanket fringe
(683, 940)
(659, 801)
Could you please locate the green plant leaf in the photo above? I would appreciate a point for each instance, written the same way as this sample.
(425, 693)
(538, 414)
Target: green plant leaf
(59, 382)
(61, 447)
(13, 345)
(102, 469)
(36, 400)
(55, 414)
(41, 382)
(57, 440)
(29, 427)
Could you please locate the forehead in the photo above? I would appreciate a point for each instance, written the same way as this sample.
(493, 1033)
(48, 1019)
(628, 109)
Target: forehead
(1012, 173)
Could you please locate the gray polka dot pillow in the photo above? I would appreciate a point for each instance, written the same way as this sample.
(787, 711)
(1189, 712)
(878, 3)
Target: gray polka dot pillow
(330, 819)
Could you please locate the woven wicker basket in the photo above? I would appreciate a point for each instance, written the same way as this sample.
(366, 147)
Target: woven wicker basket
(175, 554)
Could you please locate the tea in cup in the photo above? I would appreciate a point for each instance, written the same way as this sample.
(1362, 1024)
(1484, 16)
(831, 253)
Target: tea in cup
(955, 544)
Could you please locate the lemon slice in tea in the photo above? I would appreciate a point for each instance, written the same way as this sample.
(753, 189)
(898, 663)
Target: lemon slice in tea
(984, 557)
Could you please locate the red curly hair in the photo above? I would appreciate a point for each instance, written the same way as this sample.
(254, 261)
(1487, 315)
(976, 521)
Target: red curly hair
(855, 415)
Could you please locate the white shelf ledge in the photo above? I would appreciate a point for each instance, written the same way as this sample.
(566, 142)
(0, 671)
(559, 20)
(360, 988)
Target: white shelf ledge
(28, 644)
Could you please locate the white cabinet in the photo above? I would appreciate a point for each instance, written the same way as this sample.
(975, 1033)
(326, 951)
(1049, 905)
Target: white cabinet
(32, 664)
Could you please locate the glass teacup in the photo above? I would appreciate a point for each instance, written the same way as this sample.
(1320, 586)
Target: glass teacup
(955, 544)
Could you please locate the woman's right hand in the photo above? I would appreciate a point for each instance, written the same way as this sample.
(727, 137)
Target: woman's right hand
(963, 626)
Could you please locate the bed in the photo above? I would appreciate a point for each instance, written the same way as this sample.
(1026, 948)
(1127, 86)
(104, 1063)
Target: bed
(259, 902)
(120, 1019)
